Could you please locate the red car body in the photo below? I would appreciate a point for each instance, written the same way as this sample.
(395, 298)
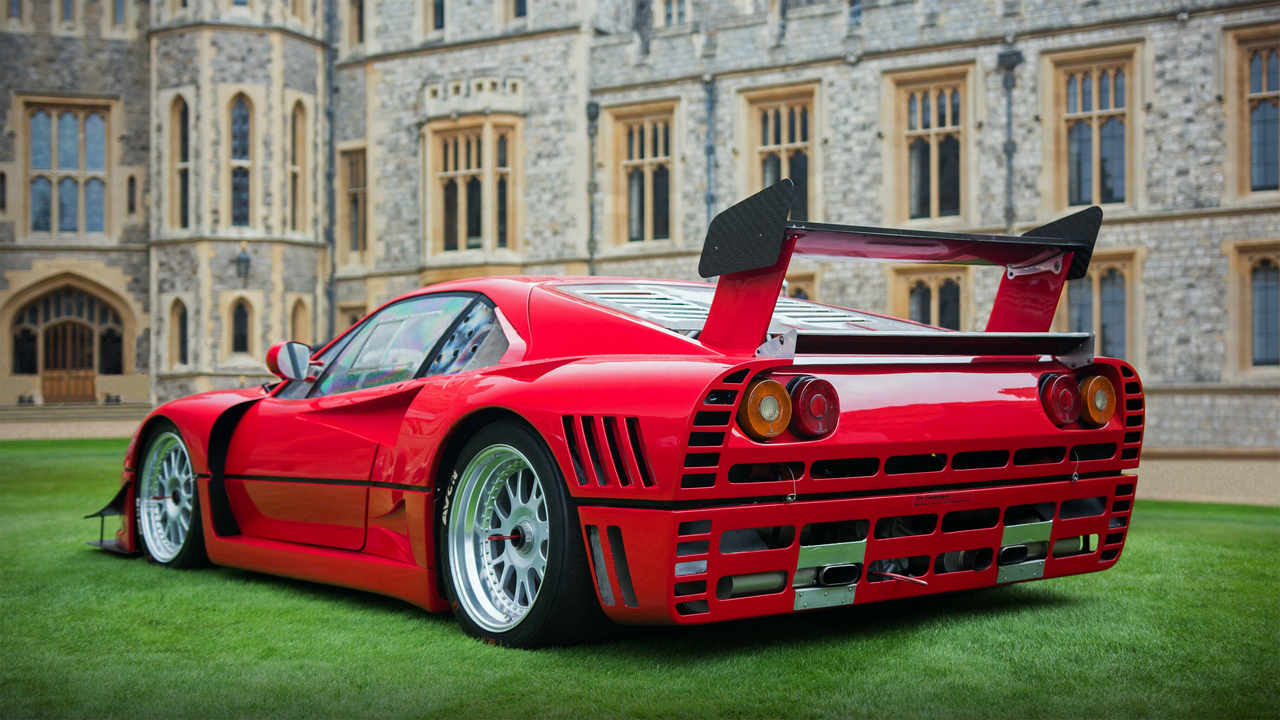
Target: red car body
(934, 452)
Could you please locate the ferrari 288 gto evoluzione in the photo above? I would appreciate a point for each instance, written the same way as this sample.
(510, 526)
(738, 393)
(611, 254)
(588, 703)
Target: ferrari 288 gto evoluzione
(544, 455)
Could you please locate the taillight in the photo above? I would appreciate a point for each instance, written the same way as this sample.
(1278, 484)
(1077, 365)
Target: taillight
(1060, 396)
(765, 410)
(815, 407)
(1099, 400)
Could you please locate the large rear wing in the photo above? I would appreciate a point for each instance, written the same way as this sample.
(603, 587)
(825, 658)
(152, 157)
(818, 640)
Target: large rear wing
(750, 245)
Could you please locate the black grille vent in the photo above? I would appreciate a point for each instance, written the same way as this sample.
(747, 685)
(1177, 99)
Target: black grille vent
(614, 451)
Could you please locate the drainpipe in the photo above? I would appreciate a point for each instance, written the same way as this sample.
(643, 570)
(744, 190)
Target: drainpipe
(1008, 60)
(709, 87)
(330, 54)
(782, 22)
(593, 126)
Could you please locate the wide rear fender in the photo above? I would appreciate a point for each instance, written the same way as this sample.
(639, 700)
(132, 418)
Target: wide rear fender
(615, 425)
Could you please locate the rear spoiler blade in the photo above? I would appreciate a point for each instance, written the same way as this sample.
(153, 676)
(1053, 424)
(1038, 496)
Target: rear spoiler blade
(1072, 349)
(750, 246)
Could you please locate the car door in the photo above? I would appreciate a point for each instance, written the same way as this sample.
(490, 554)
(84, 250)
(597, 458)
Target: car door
(300, 461)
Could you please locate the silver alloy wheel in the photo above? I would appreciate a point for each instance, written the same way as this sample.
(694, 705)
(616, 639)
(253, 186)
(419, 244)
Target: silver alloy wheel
(166, 494)
(498, 538)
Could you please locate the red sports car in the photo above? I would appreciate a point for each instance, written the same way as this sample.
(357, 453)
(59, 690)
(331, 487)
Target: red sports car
(542, 455)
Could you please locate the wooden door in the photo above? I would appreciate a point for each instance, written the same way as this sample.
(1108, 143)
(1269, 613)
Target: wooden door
(68, 363)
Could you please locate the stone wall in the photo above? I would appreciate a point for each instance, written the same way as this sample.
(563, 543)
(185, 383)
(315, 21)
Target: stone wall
(39, 62)
(1192, 417)
(551, 74)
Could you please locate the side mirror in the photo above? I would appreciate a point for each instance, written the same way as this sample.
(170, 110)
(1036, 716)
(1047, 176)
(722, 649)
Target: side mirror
(289, 360)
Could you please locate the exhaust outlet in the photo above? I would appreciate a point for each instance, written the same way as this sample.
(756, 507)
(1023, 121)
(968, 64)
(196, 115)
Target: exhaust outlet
(1013, 554)
(839, 575)
(979, 559)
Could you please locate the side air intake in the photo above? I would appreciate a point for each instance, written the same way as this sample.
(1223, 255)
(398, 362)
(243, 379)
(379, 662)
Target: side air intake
(607, 451)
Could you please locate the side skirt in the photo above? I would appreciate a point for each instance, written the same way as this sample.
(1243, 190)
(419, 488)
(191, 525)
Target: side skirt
(344, 568)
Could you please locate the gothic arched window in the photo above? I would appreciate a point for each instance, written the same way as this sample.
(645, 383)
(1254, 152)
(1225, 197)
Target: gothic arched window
(241, 160)
(178, 338)
(1264, 282)
(180, 164)
(297, 163)
(240, 327)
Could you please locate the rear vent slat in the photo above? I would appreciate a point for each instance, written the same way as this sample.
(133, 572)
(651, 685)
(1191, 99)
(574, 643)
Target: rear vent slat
(1039, 456)
(706, 439)
(637, 451)
(721, 397)
(711, 418)
(620, 566)
(575, 454)
(701, 460)
(619, 466)
(597, 560)
(980, 459)
(589, 437)
(1095, 451)
(698, 480)
(903, 464)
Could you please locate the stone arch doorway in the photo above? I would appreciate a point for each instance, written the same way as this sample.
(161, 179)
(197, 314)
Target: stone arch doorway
(69, 337)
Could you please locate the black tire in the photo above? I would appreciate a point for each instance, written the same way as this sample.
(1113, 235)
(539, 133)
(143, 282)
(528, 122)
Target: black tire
(565, 610)
(192, 553)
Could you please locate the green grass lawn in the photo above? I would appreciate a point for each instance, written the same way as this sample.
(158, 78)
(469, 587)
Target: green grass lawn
(1186, 625)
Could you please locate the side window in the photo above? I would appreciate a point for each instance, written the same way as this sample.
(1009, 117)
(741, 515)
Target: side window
(391, 346)
(476, 342)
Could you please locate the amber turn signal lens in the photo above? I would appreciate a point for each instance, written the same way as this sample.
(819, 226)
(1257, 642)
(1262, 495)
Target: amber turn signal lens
(1060, 397)
(1099, 400)
(765, 410)
(815, 407)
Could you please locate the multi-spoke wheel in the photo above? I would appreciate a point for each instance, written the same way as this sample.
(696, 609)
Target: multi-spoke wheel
(516, 565)
(168, 508)
(498, 537)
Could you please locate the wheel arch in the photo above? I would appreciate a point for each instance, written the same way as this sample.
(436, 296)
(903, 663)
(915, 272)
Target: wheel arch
(139, 446)
(457, 439)
(462, 432)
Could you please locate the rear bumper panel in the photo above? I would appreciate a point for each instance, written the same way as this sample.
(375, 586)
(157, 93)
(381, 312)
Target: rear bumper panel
(676, 566)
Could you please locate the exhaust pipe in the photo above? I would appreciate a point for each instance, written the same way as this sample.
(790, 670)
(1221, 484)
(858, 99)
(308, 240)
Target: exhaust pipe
(839, 575)
(1014, 554)
(978, 560)
(734, 586)
(1070, 546)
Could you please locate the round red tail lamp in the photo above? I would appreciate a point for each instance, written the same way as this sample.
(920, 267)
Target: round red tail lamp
(1060, 396)
(815, 408)
(765, 410)
(1099, 401)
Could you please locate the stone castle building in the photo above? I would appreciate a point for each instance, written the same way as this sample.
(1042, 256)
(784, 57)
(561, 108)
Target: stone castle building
(185, 182)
